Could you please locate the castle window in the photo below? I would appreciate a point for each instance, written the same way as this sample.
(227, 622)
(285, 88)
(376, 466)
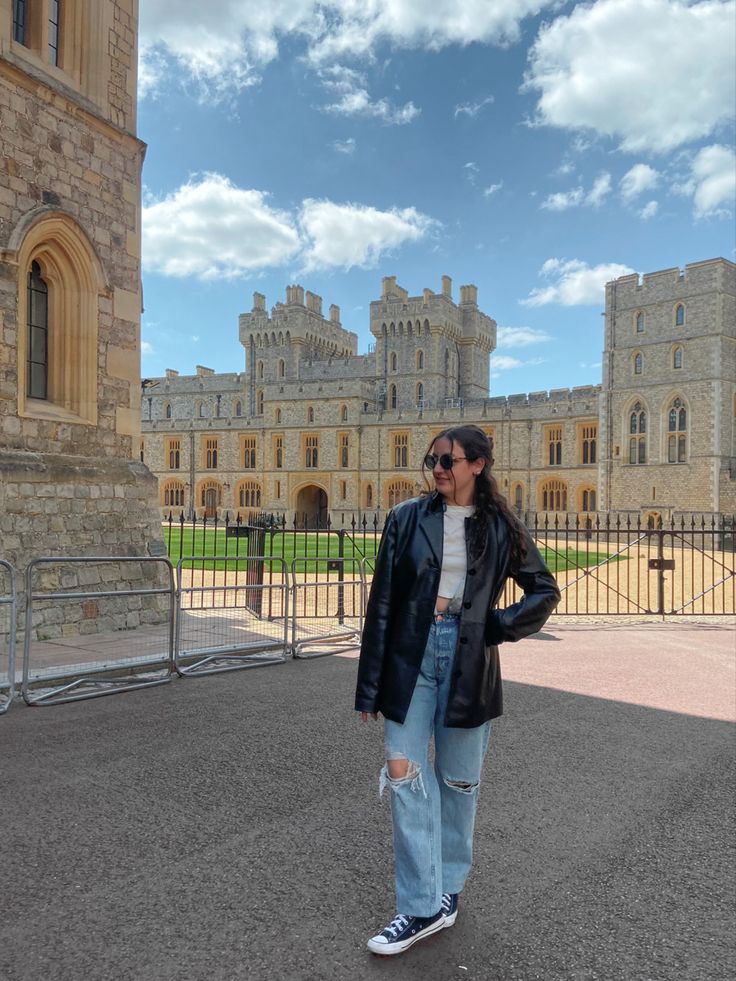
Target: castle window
(310, 414)
(167, 410)
(173, 494)
(640, 323)
(554, 446)
(277, 415)
(398, 491)
(344, 414)
(369, 495)
(54, 22)
(143, 446)
(19, 21)
(420, 395)
(38, 331)
(277, 491)
(249, 494)
(588, 499)
(282, 367)
(173, 452)
(518, 498)
(249, 452)
(679, 315)
(392, 396)
(420, 360)
(344, 445)
(638, 363)
(637, 437)
(200, 410)
(238, 408)
(677, 432)
(677, 358)
(589, 438)
(311, 456)
(394, 361)
(278, 452)
(210, 453)
(553, 495)
(259, 402)
(343, 490)
(401, 450)
(260, 371)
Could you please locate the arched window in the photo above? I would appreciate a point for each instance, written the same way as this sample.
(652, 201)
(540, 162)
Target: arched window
(420, 360)
(310, 413)
(167, 410)
(553, 495)
(637, 434)
(200, 410)
(277, 415)
(344, 414)
(282, 367)
(392, 396)
(394, 361)
(677, 432)
(518, 495)
(588, 499)
(420, 395)
(249, 494)
(260, 371)
(238, 408)
(61, 282)
(369, 495)
(638, 363)
(173, 494)
(398, 491)
(677, 357)
(259, 402)
(640, 322)
(680, 315)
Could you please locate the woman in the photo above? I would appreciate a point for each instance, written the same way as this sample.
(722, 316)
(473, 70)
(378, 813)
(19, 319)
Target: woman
(429, 664)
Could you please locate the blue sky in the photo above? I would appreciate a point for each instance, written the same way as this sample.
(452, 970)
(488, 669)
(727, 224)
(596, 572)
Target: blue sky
(534, 149)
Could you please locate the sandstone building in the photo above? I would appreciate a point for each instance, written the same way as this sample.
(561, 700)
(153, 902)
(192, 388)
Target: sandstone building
(70, 293)
(313, 428)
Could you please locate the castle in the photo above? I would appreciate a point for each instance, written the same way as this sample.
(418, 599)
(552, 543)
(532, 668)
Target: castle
(314, 429)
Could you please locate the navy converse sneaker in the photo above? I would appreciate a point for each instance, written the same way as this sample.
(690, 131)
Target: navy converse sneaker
(449, 907)
(403, 931)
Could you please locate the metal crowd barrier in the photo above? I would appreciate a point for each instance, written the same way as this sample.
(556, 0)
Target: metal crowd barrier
(327, 614)
(8, 622)
(113, 655)
(227, 617)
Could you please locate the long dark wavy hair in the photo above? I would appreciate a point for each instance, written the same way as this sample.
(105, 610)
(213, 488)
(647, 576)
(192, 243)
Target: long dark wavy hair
(487, 499)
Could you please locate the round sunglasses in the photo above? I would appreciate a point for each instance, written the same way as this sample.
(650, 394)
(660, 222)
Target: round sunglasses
(446, 461)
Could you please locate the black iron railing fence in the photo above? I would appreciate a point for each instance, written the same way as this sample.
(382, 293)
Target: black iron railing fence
(607, 564)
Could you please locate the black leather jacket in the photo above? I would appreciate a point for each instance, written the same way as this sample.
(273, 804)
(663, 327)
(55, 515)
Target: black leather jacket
(402, 602)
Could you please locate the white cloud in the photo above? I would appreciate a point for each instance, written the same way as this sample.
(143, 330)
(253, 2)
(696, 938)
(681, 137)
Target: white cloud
(563, 200)
(714, 174)
(353, 99)
(348, 235)
(492, 189)
(472, 108)
(640, 178)
(575, 282)
(600, 189)
(520, 337)
(504, 362)
(654, 74)
(649, 210)
(345, 146)
(146, 347)
(224, 44)
(209, 227)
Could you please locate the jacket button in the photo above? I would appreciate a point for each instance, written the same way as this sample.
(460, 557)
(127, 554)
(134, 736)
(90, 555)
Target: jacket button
(471, 572)
(463, 640)
(467, 605)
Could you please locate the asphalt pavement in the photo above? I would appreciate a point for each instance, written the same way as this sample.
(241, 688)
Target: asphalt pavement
(229, 827)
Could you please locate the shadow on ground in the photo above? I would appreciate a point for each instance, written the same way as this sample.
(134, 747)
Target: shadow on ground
(229, 828)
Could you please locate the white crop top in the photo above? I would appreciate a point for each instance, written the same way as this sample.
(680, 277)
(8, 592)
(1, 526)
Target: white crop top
(454, 555)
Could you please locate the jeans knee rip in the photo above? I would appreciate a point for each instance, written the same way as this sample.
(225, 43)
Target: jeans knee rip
(461, 786)
(413, 779)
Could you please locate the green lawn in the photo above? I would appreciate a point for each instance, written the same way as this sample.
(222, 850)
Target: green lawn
(317, 548)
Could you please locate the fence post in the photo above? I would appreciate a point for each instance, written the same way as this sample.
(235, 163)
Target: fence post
(660, 571)
(341, 576)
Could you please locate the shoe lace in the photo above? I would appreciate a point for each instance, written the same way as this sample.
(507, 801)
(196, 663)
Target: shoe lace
(397, 924)
(446, 902)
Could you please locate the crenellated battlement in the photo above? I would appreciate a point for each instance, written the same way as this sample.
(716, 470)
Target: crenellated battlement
(670, 284)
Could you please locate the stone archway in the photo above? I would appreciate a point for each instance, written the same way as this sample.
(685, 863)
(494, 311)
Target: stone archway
(311, 507)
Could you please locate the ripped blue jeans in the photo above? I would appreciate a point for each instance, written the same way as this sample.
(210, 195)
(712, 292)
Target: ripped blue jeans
(433, 806)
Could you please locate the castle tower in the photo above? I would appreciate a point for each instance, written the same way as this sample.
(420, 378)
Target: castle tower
(70, 292)
(430, 351)
(668, 425)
